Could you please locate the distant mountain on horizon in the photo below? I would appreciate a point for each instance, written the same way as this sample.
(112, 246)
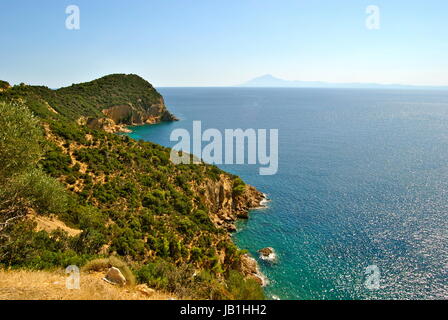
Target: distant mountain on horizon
(269, 81)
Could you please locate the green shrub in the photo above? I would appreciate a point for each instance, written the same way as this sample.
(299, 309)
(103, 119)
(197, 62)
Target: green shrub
(244, 289)
(238, 186)
(4, 84)
(37, 250)
(45, 194)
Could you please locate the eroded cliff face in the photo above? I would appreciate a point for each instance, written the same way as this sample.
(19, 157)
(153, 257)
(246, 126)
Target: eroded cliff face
(130, 115)
(118, 117)
(249, 267)
(226, 207)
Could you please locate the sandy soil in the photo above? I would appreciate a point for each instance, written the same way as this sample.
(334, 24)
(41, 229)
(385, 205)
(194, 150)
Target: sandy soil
(43, 285)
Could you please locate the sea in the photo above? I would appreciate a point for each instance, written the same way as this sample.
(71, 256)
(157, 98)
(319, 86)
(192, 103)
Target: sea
(359, 206)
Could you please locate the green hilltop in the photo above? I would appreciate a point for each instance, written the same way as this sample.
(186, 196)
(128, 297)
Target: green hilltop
(91, 98)
(124, 198)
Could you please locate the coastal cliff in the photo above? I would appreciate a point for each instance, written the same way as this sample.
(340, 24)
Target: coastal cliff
(118, 197)
(109, 103)
(123, 100)
(226, 207)
(117, 118)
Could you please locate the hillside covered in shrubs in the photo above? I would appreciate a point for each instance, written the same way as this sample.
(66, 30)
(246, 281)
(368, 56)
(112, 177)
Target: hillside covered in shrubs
(130, 203)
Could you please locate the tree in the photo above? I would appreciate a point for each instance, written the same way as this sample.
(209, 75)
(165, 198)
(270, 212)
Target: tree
(22, 184)
(20, 137)
(4, 85)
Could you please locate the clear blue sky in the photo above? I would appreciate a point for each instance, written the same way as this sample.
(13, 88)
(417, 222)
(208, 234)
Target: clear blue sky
(224, 42)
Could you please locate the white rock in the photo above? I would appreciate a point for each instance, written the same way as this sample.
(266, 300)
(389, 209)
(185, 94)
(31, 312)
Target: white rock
(115, 276)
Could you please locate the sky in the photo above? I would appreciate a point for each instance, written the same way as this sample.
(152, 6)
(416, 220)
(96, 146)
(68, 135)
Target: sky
(224, 42)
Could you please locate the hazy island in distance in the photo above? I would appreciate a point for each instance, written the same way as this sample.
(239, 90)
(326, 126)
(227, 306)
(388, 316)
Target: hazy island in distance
(269, 81)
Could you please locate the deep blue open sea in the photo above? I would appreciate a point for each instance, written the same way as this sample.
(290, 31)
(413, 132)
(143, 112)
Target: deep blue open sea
(362, 180)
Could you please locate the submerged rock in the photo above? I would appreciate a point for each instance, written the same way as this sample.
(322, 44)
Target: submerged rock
(268, 254)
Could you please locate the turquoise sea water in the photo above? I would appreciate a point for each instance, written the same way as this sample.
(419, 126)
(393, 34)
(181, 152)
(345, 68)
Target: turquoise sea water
(362, 180)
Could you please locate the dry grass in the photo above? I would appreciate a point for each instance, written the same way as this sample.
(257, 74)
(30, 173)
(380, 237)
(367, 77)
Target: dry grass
(52, 223)
(43, 285)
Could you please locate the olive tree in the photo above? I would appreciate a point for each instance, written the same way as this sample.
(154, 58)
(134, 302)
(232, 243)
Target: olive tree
(23, 186)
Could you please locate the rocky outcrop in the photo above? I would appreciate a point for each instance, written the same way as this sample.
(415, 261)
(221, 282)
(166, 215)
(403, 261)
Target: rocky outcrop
(113, 102)
(104, 124)
(251, 198)
(268, 254)
(119, 117)
(144, 289)
(226, 207)
(249, 267)
(130, 115)
(114, 276)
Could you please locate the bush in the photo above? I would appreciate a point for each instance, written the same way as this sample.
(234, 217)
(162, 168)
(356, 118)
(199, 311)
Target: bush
(22, 184)
(44, 194)
(4, 85)
(37, 250)
(238, 186)
(181, 281)
(244, 289)
(187, 284)
(70, 180)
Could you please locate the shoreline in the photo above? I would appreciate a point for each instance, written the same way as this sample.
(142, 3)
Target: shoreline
(251, 200)
(251, 266)
(263, 203)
